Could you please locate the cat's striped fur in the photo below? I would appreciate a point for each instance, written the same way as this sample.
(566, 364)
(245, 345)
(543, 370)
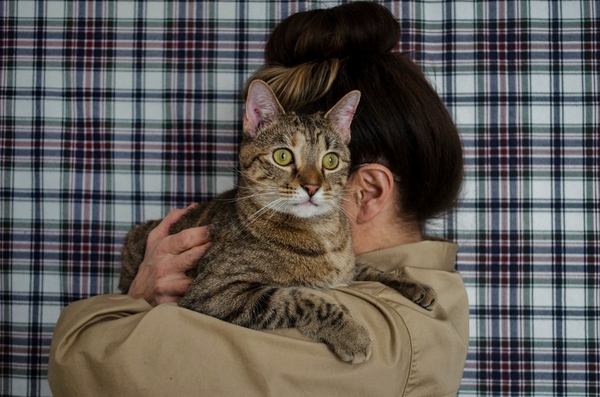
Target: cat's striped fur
(281, 235)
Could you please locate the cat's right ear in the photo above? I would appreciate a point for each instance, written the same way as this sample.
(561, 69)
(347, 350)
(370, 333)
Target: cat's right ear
(262, 107)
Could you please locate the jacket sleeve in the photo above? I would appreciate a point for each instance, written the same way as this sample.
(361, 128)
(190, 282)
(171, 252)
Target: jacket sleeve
(119, 346)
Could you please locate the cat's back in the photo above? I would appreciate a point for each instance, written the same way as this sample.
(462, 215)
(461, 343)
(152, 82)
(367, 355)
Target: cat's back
(215, 213)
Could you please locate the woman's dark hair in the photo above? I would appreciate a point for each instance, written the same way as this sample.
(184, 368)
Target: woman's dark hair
(314, 58)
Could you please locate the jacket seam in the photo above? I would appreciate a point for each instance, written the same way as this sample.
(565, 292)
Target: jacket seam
(410, 336)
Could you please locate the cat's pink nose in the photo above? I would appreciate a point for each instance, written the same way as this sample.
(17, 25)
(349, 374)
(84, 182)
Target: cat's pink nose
(311, 189)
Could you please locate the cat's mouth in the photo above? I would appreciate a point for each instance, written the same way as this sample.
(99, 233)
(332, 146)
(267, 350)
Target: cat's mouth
(307, 208)
(309, 201)
(306, 204)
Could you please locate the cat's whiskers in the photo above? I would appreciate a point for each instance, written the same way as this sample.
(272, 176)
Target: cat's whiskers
(254, 180)
(240, 173)
(252, 218)
(269, 206)
(350, 217)
(232, 168)
(240, 198)
(282, 204)
(344, 198)
(267, 193)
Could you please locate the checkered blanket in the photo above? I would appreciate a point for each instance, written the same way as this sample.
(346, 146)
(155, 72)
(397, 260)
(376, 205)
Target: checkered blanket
(111, 113)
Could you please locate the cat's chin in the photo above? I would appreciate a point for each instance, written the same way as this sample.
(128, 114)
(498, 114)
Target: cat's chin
(307, 210)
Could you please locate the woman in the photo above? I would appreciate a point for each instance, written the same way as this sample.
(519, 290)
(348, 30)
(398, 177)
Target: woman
(407, 168)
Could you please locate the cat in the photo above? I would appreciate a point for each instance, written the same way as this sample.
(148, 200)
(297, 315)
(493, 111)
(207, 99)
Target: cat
(282, 234)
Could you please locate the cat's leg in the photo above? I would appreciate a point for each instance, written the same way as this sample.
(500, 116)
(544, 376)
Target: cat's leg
(263, 307)
(419, 293)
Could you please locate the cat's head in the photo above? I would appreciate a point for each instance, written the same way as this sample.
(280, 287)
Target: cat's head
(294, 164)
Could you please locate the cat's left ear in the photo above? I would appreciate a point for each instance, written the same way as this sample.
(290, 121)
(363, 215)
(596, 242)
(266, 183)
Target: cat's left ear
(262, 107)
(342, 113)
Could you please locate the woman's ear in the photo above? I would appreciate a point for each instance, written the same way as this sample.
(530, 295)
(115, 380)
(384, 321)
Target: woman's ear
(376, 185)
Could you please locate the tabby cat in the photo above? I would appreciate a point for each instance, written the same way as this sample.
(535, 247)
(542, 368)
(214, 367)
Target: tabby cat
(282, 233)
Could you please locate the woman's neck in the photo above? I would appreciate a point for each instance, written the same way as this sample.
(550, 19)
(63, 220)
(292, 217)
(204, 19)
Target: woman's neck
(382, 233)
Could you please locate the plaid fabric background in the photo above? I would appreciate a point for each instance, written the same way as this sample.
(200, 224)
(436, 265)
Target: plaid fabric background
(113, 112)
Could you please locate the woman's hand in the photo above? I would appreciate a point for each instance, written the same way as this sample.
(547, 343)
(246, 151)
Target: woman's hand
(161, 276)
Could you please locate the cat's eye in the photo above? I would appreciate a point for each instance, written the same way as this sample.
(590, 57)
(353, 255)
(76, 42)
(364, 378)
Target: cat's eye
(283, 157)
(331, 161)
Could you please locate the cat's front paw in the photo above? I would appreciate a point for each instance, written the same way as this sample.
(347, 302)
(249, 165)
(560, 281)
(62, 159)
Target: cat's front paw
(351, 342)
(421, 294)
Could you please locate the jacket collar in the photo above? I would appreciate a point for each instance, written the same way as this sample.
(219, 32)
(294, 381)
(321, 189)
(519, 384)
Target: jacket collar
(427, 254)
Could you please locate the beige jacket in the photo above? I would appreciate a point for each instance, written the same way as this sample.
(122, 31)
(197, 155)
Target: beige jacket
(114, 345)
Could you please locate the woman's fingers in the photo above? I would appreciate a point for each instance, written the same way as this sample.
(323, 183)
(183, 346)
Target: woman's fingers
(187, 260)
(185, 240)
(171, 289)
(177, 253)
(162, 275)
(162, 230)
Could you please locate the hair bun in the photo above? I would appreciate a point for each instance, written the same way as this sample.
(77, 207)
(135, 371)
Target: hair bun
(350, 29)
